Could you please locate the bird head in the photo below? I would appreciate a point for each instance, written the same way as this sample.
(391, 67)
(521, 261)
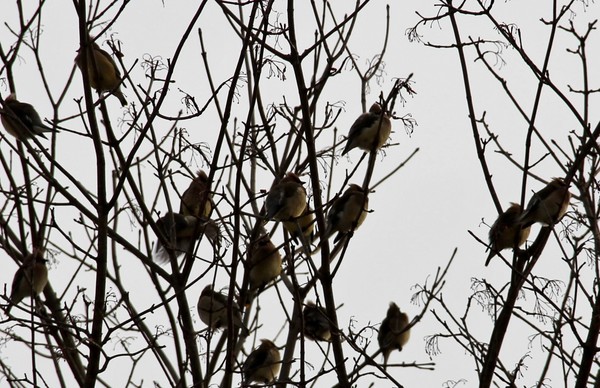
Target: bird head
(375, 108)
(292, 177)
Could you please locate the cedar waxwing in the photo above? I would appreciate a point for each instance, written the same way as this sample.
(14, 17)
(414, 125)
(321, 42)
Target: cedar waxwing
(368, 127)
(548, 205)
(503, 233)
(347, 212)
(262, 365)
(192, 197)
(212, 308)
(393, 333)
(264, 262)
(286, 199)
(302, 225)
(179, 231)
(30, 279)
(21, 120)
(316, 323)
(108, 78)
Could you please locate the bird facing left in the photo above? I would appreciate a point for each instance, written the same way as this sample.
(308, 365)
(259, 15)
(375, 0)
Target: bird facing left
(21, 120)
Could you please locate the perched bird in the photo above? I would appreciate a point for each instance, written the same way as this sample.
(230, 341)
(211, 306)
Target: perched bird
(30, 279)
(304, 225)
(264, 262)
(108, 77)
(548, 205)
(371, 129)
(286, 199)
(179, 231)
(347, 212)
(21, 119)
(191, 200)
(393, 333)
(503, 233)
(316, 323)
(212, 308)
(262, 365)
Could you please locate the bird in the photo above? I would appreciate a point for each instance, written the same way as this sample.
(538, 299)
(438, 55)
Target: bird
(303, 225)
(316, 323)
(263, 364)
(347, 212)
(370, 130)
(179, 230)
(264, 262)
(197, 193)
(503, 233)
(212, 309)
(394, 332)
(548, 205)
(30, 279)
(21, 120)
(286, 199)
(107, 78)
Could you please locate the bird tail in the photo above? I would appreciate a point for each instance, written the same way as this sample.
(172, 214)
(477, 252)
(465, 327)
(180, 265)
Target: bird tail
(44, 128)
(347, 148)
(339, 237)
(386, 355)
(491, 254)
(160, 254)
(119, 94)
(244, 330)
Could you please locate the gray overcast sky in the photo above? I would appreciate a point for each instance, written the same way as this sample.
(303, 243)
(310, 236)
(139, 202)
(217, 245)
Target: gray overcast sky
(419, 216)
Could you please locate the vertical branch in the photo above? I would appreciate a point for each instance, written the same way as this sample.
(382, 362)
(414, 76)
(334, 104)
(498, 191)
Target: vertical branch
(471, 105)
(95, 342)
(307, 130)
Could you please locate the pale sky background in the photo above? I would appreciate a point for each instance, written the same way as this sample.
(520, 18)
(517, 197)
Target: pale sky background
(419, 216)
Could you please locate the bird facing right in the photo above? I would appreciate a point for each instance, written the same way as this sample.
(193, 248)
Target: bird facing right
(347, 212)
(21, 120)
(394, 332)
(370, 130)
(503, 233)
(548, 205)
(263, 364)
(30, 279)
(107, 78)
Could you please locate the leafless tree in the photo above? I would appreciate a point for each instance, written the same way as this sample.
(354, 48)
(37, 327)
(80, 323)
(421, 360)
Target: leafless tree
(100, 217)
(559, 315)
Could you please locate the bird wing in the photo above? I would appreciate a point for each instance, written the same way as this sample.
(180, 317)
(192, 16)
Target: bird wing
(111, 61)
(533, 204)
(275, 203)
(365, 120)
(28, 116)
(382, 336)
(255, 361)
(397, 325)
(16, 284)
